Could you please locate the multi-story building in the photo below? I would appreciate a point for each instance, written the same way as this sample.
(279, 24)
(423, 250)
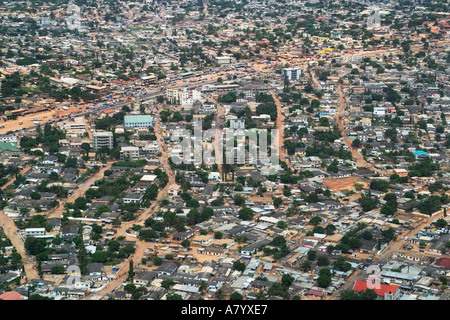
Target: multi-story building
(102, 139)
(138, 121)
(185, 98)
(292, 74)
(129, 153)
(224, 60)
(237, 124)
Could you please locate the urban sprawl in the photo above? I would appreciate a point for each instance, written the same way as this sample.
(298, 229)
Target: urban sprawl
(100, 200)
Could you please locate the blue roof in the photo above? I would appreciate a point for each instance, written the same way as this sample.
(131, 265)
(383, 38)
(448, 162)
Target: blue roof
(419, 153)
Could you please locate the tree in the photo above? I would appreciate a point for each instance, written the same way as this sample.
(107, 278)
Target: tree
(186, 243)
(324, 281)
(306, 265)
(131, 271)
(341, 265)
(440, 223)
(379, 185)
(219, 294)
(239, 200)
(35, 246)
(58, 269)
(312, 255)
(173, 296)
(368, 294)
(239, 266)
(287, 280)
(356, 143)
(323, 261)
(80, 203)
(277, 202)
(278, 289)
(35, 195)
(315, 220)
(236, 296)
(367, 202)
(167, 283)
(279, 241)
(246, 213)
(282, 224)
(218, 235)
(430, 205)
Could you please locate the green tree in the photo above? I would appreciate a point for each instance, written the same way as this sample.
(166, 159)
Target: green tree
(236, 296)
(167, 283)
(186, 243)
(312, 255)
(239, 266)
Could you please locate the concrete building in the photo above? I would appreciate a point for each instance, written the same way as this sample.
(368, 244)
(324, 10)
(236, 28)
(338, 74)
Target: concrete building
(129, 153)
(237, 124)
(292, 74)
(138, 121)
(102, 140)
(224, 60)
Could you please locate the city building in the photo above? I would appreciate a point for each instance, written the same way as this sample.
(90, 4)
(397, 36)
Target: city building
(292, 74)
(102, 139)
(138, 121)
(129, 153)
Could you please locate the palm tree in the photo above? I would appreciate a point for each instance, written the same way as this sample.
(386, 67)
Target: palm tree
(202, 286)
(219, 294)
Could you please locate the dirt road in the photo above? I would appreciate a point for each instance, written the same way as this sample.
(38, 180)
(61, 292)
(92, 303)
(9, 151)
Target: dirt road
(220, 119)
(141, 246)
(340, 115)
(22, 171)
(45, 116)
(9, 227)
(280, 127)
(80, 192)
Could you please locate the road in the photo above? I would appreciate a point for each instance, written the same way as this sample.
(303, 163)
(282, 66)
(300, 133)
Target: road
(340, 115)
(22, 171)
(79, 192)
(220, 119)
(280, 127)
(141, 246)
(10, 229)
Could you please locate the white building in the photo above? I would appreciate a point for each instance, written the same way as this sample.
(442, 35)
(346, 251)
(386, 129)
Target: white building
(129, 153)
(237, 124)
(34, 232)
(102, 140)
(379, 111)
(224, 60)
(292, 74)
